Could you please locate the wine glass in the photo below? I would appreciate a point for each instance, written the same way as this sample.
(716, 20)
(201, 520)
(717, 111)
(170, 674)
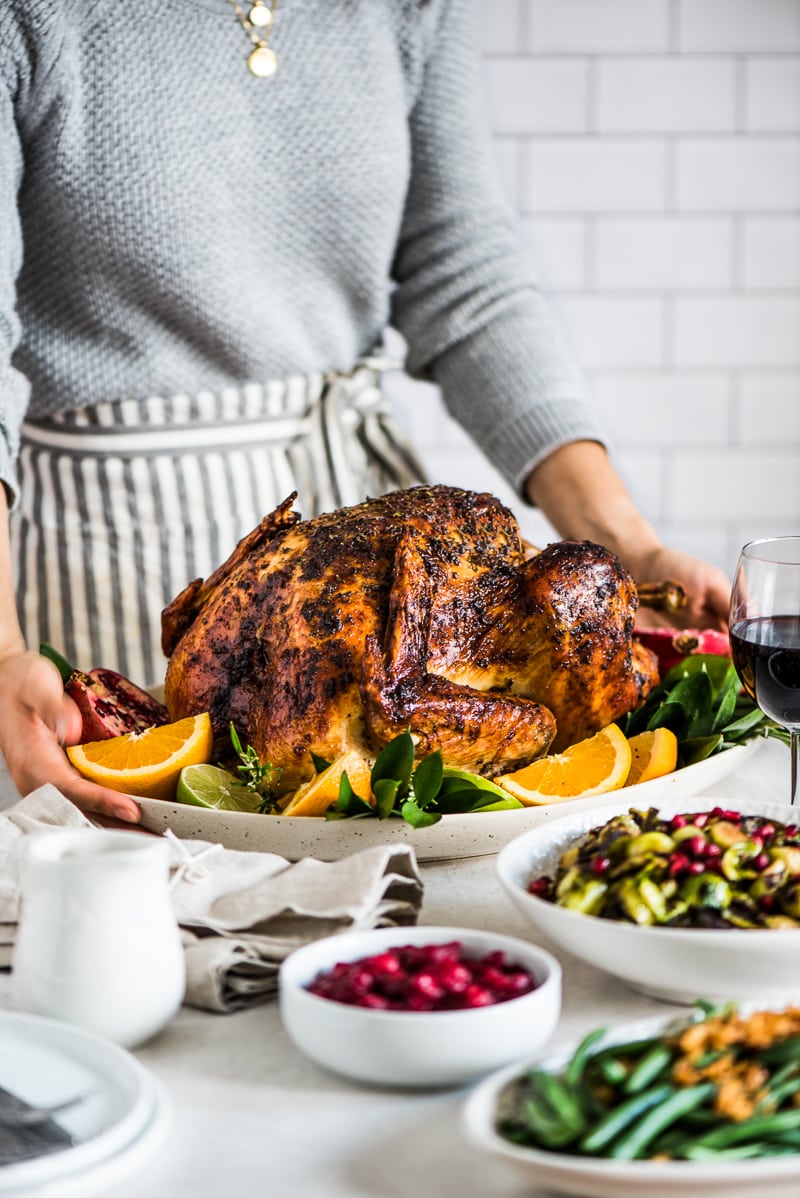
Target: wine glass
(765, 632)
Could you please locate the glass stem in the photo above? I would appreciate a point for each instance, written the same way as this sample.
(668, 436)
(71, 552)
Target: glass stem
(794, 749)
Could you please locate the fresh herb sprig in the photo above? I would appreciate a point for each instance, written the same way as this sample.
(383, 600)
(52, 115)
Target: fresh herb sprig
(701, 701)
(258, 776)
(420, 796)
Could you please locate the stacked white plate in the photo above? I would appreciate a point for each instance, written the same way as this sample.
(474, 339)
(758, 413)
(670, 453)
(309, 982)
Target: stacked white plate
(121, 1116)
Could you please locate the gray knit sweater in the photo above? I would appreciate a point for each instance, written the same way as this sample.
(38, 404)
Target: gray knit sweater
(169, 223)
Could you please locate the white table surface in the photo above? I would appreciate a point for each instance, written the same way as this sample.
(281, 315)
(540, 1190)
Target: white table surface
(252, 1116)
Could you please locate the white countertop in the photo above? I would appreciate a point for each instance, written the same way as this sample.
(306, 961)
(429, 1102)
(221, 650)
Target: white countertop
(252, 1116)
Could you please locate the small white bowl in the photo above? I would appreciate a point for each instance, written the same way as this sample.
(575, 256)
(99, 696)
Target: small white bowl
(417, 1048)
(595, 1177)
(677, 964)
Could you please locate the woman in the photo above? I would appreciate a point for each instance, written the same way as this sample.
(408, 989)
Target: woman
(196, 264)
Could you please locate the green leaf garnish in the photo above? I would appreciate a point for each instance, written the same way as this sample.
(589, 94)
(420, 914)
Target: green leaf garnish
(702, 701)
(428, 779)
(385, 792)
(260, 777)
(350, 803)
(320, 764)
(414, 815)
(395, 761)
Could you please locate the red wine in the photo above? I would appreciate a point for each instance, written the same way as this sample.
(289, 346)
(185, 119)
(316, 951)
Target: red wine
(766, 653)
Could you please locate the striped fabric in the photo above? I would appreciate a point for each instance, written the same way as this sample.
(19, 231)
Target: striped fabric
(123, 503)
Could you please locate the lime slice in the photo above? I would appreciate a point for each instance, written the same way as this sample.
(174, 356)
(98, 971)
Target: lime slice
(476, 780)
(210, 786)
(509, 803)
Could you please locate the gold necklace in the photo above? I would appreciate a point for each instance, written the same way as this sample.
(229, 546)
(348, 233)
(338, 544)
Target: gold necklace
(262, 60)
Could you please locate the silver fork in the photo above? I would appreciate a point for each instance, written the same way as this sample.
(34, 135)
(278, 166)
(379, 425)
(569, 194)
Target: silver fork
(23, 1115)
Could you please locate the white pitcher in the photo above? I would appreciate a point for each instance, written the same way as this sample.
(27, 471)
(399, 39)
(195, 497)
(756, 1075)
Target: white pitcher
(98, 943)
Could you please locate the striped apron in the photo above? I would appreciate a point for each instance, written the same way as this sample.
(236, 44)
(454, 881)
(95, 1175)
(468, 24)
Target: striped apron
(123, 503)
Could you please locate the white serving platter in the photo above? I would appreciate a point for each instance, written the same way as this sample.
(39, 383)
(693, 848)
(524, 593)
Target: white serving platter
(455, 836)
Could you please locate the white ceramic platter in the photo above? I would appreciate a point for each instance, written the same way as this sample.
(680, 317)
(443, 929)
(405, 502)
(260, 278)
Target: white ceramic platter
(455, 836)
(43, 1062)
(592, 1177)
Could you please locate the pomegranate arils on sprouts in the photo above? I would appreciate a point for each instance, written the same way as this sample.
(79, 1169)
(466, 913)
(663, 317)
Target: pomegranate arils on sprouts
(540, 887)
(429, 977)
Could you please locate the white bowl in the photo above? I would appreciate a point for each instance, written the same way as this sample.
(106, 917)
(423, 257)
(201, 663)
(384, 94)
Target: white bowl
(417, 1048)
(677, 964)
(594, 1177)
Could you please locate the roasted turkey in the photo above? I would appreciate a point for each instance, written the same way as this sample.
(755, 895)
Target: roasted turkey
(417, 610)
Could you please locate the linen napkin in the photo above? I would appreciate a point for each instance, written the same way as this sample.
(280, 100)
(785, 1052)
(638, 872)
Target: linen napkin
(240, 913)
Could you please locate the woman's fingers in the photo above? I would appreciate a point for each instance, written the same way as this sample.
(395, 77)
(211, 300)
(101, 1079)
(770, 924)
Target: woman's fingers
(36, 719)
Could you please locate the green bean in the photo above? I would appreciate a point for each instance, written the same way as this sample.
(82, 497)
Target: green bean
(785, 1052)
(560, 1099)
(580, 1058)
(786, 1137)
(648, 1069)
(741, 1152)
(750, 1129)
(635, 1048)
(638, 1138)
(622, 1116)
(775, 1095)
(704, 1117)
(612, 1070)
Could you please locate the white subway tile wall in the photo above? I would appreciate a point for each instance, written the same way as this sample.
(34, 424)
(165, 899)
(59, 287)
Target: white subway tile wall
(651, 150)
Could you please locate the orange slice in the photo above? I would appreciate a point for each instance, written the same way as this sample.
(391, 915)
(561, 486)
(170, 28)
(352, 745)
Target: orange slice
(316, 796)
(146, 764)
(653, 754)
(591, 767)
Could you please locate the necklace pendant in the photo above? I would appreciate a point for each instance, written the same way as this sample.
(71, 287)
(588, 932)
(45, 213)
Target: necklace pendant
(263, 61)
(259, 15)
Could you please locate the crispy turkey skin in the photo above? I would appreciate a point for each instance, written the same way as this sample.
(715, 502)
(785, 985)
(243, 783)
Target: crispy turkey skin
(413, 610)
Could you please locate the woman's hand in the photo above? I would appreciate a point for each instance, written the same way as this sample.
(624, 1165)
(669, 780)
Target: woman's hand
(581, 494)
(36, 719)
(708, 590)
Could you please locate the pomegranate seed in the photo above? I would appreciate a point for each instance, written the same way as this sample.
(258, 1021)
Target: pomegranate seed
(540, 886)
(679, 821)
(712, 852)
(384, 963)
(767, 831)
(417, 1002)
(761, 861)
(361, 980)
(733, 817)
(697, 867)
(494, 979)
(696, 845)
(496, 958)
(375, 1002)
(717, 813)
(520, 982)
(701, 820)
(601, 865)
(426, 985)
(438, 954)
(454, 977)
(767, 902)
(478, 996)
(412, 956)
(791, 831)
(678, 864)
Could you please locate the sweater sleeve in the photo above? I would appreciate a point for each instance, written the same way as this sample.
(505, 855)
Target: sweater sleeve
(14, 389)
(473, 318)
